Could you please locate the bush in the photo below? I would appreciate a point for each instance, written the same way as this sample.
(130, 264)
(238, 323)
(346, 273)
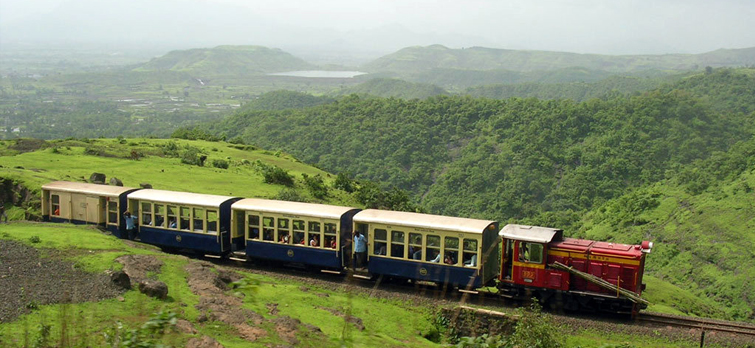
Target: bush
(276, 175)
(192, 155)
(316, 185)
(220, 163)
(344, 182)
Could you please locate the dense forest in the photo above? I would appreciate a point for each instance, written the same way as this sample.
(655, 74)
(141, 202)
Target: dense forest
(514, 158)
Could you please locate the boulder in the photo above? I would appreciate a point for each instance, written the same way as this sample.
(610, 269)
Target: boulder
(97, 178)
(116, 182)
(121, 279)
(154, 288)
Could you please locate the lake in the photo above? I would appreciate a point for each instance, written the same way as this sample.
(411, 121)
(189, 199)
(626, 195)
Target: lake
(320, 74)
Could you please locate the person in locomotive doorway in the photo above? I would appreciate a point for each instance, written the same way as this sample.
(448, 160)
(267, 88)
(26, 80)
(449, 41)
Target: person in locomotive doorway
(3, 214)
(360, 250)
(130, 225)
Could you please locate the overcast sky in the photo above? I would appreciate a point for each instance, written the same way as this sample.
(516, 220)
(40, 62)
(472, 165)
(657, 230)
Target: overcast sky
(382, 26)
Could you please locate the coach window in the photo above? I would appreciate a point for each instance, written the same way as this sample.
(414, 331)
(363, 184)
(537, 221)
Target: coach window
(268, 228)
(397, 244)
(146, 213)
(198, 220)
(330, 235)
(159, 215)
(55, 208)
(283, 231)
(172, 216)
(433, 248)
(314, 233)
(531, 252)
(298, 227)
(112, 212)
(415, 246)
(212, 221)
(254, 227)
(381, 239)
(185, 218)
(451, 251)
(470, 252)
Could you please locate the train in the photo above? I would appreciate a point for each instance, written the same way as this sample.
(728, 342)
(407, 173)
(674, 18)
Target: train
(515, 262)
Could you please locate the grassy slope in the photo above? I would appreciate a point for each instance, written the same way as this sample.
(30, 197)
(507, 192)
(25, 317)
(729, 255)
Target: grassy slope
(70, 163)
(86, 323)
(704, 243)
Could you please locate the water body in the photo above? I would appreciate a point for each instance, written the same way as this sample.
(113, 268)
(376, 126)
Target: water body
(320, 74)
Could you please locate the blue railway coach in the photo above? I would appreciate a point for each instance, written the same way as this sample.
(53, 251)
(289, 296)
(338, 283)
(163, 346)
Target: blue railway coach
(183, 220)
(432, 248)
(311, 234)
(83, 203)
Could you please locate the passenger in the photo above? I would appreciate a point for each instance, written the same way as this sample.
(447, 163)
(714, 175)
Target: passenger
(360, 250)
(130, 225)
(417, 255)
(472, 261)
(172, 223)
(437, 256)
(314, 242)
(56, 212)
(449, 260)
(333, 243)
(381, 251)
(254, 233)
(284, 239)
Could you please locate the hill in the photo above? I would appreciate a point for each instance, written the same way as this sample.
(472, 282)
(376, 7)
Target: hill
(520, 160)
(386, 88)
(226, 60)
(419, 58)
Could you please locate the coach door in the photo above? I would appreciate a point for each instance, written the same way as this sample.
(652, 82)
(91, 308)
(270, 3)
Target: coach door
(508, 258)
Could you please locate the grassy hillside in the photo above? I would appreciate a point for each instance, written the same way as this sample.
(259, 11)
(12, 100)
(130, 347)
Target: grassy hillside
(702, 220)
(418, 58)
(226, 60)
(160, 164)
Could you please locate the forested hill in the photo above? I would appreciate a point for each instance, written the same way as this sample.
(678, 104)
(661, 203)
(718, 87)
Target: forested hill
(418, 58)
(515, 158)
(227, 60)
(673, 165)
(387, 88)
(578, 91)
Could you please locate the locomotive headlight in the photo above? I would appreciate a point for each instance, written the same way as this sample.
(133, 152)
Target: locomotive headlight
(647, 246)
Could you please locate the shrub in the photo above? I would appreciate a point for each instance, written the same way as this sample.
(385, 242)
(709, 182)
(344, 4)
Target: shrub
(276, 175)
(316, 185)
(220, 163)
(35, 239)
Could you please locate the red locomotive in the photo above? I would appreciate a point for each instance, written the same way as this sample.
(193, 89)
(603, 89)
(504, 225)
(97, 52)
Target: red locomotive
(574, 274)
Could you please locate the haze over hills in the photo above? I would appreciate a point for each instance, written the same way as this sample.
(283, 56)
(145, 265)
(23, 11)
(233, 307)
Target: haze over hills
(224, 60)
(418, 59)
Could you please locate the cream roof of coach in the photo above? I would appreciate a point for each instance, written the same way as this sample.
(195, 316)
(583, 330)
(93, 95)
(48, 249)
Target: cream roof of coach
(426, 221)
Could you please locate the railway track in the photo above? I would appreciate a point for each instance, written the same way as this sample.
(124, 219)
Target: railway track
(699, 323)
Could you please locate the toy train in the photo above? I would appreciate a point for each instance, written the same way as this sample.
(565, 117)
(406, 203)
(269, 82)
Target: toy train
(519, 261)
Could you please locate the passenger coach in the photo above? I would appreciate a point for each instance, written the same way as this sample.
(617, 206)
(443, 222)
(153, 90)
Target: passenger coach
(183, 220)
(311, 234)
(82, 203)
(427, 247)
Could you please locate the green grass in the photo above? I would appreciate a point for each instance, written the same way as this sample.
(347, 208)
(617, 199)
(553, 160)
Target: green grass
(240, 179)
